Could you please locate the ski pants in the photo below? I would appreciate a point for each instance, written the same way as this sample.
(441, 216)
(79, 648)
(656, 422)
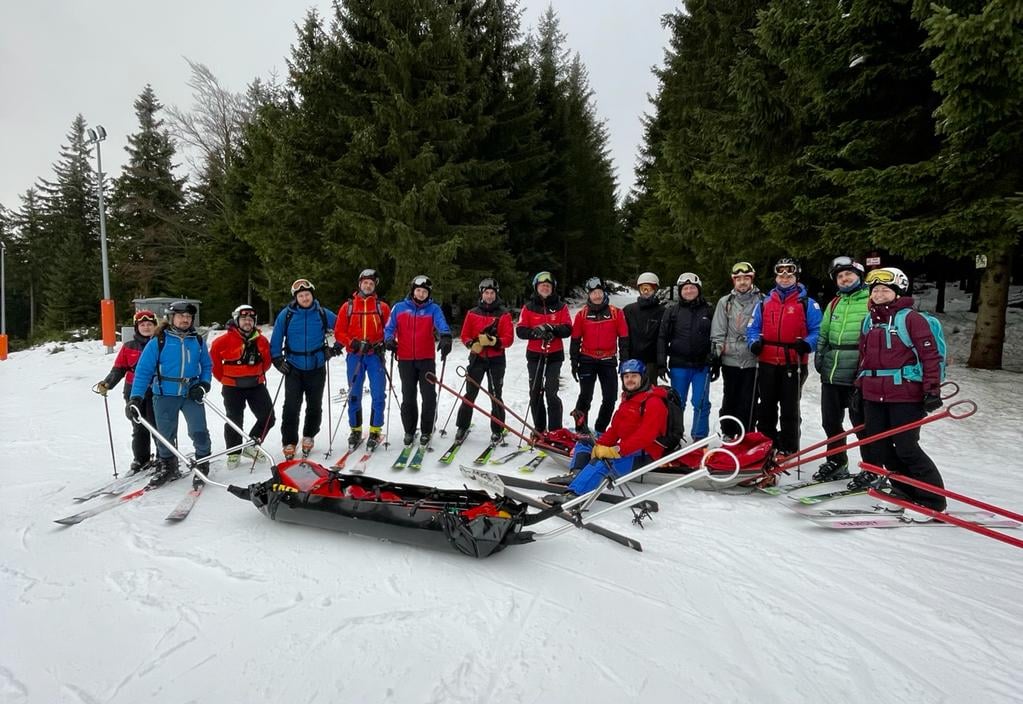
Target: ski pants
(739, 398)
(412, 373)
(141, 440)
(902, 452)
(166, 409)
(593, 370)
(698, 379)
(546, 369)
(493, 368)
(835, 398)
(257, 398)
(593, 472)
(780, 388)
(302, 384)
(360, 366)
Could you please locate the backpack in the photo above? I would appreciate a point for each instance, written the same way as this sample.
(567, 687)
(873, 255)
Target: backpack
(911, 372)
(287, 321)
(675, 431)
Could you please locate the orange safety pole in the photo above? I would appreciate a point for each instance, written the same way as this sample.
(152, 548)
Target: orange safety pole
(3, 347)
(106, 309)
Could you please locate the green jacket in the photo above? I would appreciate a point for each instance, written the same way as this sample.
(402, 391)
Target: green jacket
(838, 349)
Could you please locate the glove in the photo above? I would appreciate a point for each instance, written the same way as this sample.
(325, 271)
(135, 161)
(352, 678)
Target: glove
(803, 347)
(662, 371)
(757, 347)
(855, 402)
(485, 340)
(134, 408)
(575, 369)
(715, 369)
(444, 346)
(337, 350)
(548, 331)
(539, 332)
(932, 402)
(391, 345)
(476, 348)
(199, 390)
(101, 388)
(603, 452)
(281, 364)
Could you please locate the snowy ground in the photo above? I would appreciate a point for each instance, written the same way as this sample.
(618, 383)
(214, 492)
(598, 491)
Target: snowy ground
(734, 599)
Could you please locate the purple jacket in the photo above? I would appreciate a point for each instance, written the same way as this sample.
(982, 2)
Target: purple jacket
(876, 354)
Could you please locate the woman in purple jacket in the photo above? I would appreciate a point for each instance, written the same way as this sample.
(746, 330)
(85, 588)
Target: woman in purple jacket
(899, 384)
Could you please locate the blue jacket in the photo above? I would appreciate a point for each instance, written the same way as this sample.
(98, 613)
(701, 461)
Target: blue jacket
(302, 343)
(413, 324)
(183, 362)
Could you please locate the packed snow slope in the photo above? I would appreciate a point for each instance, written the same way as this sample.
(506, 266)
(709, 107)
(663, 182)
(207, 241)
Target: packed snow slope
(734, 599)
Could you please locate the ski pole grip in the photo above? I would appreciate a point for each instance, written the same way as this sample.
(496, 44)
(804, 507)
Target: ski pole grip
(460, 370)
(966, 408)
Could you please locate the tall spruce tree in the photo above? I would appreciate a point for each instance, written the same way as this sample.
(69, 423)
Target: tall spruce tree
(32, 251)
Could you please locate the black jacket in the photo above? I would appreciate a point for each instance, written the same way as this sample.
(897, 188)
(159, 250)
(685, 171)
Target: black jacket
(684, 336)
(644, 320)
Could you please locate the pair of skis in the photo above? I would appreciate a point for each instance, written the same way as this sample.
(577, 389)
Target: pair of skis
(122, 496)
(411, 455)
(360, 465)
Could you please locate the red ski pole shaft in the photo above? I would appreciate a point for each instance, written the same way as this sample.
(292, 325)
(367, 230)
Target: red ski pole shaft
(970, 409)
(946, 517)
(464, 373)
(432, 378)
(894, 476)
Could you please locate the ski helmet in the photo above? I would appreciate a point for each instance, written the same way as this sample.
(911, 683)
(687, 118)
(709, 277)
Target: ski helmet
(545, 277)
(144, 316)
(593, 283)
(489, 282)
(421, 281)
(743, 269)
(370, 274)
(891, 277)
(844, 263)
(302, 285)
(689, 278)
(631, 366)
(648, 277)
(244, 310)
(787, 265)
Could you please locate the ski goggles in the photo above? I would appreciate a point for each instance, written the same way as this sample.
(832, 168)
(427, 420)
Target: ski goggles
(247, 314)
(544, 277)
(743, 269)
(369, 274)
(302, 285)
(144, 317)
(489, 283)
(594, 282)
(880, 276)
(785, 269)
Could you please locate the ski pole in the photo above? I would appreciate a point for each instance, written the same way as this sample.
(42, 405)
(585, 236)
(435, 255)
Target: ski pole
(462, 371)
(534, 392)
(436, 406)
(432, 378)
(110, 431)
(344, 406)
(390, 386)
(266, 424)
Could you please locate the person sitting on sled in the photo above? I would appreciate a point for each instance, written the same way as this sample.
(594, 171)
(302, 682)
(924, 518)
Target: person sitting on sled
(631, 439)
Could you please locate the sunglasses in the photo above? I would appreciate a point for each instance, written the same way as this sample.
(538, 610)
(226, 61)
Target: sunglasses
(742, 269)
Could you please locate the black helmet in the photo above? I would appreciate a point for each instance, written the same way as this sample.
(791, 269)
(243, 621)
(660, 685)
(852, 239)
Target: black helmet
(180, 307)
(844, 263)
(787, 264)
(593, 283)
(421, 281)
(369, 274)
(544, 277)
(489, 282)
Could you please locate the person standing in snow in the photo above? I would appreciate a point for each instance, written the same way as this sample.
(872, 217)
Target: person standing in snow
(782, 333)
(544, 321)
(300, 352)
(683, 346)
(241, 358)
(731, 357)
(837, 359)
(124, 368)
(176, 366)
(599, 334)
(900, 384)
(643, 319)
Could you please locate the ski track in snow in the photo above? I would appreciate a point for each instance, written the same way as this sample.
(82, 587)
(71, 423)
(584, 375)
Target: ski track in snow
(735, 598)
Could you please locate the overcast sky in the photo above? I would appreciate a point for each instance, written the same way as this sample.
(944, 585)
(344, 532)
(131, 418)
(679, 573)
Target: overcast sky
(62, 57)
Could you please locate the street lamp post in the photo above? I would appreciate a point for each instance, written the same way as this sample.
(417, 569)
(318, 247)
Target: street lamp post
(3, 301)
(107, 304)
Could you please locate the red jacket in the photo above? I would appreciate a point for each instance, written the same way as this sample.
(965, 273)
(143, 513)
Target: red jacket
(544, 311)
(482, 317)
(641, 418)
(238, 361)
(124, 363)
(875, 353)
(361, 318)
(599, 329)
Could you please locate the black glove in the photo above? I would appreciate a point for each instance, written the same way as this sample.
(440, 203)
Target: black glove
(662, 372)
(932, 402)
(282, 365)
(803, 347)
(548, 331)
(855, 402)
(756, 347)
(538, 332)
(362, 347)
(575, 369)
(134, 408)
(199, 390)
(715, 368)
(444, 346)
(337, 350)
(391, 345)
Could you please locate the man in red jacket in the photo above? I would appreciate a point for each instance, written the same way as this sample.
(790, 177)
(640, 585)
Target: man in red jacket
(599, 332)
(544, 322)
(631, 439)
(487, 332)
(240, 359)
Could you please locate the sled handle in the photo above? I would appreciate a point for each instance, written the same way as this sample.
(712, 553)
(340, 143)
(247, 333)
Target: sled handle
(950, 385)
(969, 408)
(742, 431)
(734, 473)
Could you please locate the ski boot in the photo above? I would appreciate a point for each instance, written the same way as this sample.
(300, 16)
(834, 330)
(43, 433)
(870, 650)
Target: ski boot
(865, 480)
(559, 499)
(136, 467)
(233, 459)
(496, 438)
(307, 446)
(355, 437)
(289, 451)
(166, 471)
(197, 480)
(562, 479)
(424, 439)
(376, 436)
(461, 434)
(409, 437)
(831, 470)
(580, 420)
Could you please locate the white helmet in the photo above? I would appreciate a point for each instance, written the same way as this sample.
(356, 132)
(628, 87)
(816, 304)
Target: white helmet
(689, 278)
(891, 277)
(243, 308)
(648, 277)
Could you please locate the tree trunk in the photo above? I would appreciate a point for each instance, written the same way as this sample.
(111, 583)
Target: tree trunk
(939, 306)
(989, 334)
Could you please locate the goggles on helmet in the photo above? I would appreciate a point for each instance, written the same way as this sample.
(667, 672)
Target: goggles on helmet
(742, 269)
(144, 316)
(490, 283)
(593, 283)
(301, 285)
(880, 276)
(785, 269)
